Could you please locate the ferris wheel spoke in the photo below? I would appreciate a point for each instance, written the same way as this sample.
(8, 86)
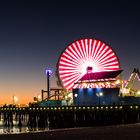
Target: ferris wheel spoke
(83, 49)
(70, 58)
(81, 54)
(107, 52)
(102, 53)
(110, 61)
(68, 67)
(68, 77)
(71, 80)
(87, 47)
(110, 67)
(72, 49)
(106, 56)
(96, 50)
(93, 49)
(80, 59)
(72, 83)
(99, 52)
(90, 44)
(67, 71)
(79, 47)
(68, 74)
(62, 63)
(68, 61)
(76, 52)
(71, 77)
(111, 64)
(110, 56)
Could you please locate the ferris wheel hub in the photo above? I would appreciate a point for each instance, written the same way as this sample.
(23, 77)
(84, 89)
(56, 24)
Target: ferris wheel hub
(89, 69)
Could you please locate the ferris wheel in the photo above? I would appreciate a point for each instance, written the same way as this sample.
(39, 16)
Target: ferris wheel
(80, 55)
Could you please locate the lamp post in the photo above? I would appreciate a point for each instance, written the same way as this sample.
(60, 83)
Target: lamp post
(48, 73)
(39, 97)
(100, 94)
(15, 99)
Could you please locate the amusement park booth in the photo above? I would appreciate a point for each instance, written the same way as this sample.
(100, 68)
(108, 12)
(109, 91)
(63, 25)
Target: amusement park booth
(95, 96)
(99, 88)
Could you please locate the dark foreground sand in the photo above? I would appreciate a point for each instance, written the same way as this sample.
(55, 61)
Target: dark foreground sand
(118, 132)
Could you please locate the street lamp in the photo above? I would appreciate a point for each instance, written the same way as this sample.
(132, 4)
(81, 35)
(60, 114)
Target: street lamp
(15, 99)
(39, 97)
(100, 94)
(48, 73)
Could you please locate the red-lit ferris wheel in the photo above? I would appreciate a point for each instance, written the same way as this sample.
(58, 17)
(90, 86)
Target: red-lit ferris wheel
(80, 55)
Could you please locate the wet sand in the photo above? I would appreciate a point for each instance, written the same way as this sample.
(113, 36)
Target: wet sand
(118, 132)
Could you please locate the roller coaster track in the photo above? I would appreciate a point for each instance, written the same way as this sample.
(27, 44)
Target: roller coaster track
(135, 74)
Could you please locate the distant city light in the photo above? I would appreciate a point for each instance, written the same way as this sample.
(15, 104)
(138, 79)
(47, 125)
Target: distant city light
(15, 99)
(39, 97)
(138, 93)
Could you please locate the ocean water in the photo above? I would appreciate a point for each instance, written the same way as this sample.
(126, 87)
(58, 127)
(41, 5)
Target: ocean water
(18, 130)
(15, 129)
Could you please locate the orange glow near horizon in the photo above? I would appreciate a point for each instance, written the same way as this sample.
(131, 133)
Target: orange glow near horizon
(24, 94)
(22, 99)
(24, 89)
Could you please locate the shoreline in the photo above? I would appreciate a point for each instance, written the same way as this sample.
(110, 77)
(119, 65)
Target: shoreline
(115, 132)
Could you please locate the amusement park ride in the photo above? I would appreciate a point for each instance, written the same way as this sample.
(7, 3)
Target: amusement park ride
(127, 86)
(90, 64)
(84, 57)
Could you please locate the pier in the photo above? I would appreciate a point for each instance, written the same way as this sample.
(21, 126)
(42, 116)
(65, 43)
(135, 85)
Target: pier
(68, 116)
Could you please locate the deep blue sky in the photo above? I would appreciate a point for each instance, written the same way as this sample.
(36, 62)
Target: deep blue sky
(34, 33)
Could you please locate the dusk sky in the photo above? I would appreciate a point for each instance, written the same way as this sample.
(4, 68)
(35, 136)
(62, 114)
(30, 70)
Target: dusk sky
(34, 33)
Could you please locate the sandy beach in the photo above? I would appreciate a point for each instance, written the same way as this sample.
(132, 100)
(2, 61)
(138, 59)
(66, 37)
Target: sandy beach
(118, 132)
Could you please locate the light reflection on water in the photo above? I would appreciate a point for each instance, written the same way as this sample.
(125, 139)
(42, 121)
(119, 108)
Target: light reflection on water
(14, 129)
(17, 130)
